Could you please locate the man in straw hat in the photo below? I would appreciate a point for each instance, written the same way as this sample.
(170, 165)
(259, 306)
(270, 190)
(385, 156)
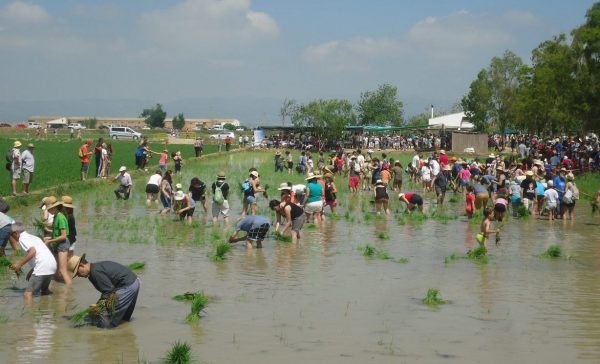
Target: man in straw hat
(125, 184)
(28, 164)
(15, 165)
(108, 278)
(40, 259)
(220, 206)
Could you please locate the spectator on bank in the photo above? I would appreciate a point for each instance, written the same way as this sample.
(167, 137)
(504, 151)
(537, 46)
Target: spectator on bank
(15, 165)
(28, 165)
(84, 157)
(98, 156)
(198, 146)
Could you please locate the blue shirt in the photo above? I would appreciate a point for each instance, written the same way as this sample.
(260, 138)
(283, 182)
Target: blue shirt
(251, 222)
(539, 188)
(559, 185)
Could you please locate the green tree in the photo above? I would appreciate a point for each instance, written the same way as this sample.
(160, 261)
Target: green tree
(327, 118)
(229, 126)
(178, 122)
(287, 109)
(90, 123)
(478, 102)
(586, 45)
(154, 117)
(380, 107)
(419, 121)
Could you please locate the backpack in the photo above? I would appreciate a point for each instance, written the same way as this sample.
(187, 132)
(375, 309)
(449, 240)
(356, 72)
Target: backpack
(246, 186)
(9, 159)
(575, 191)
(218, 197)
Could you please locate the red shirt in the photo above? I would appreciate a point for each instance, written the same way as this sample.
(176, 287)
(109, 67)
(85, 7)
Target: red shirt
(470, 202)
(84, 153)
(443, 160)
(408, 195)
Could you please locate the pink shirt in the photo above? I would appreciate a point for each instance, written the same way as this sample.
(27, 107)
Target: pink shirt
(464, 174)
(163, 158)
(501, 201)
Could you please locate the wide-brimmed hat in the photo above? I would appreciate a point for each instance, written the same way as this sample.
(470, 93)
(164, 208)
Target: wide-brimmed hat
(442, 151)
(89, 142)
(284, 186)
(179, 186)
(538, 162)
(400, 195)
(47, 201)
(563, 169)
(254, 173)
(453, 158)
(570, 176)
(30, 145)
(165, 151)
(57, 203)
(447, 168)
(277, 153)
(529, 173)
(221, 175)
(179, 195)
(492, 155)
(73, 264)
(370, 151)
(312, 176)
(353, 157)
(17, 144)
(67, 201)
(122, 169)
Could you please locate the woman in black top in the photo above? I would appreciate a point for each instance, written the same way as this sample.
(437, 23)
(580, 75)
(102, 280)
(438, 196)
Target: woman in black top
(293, 214)
(198, 191)
(381, 197)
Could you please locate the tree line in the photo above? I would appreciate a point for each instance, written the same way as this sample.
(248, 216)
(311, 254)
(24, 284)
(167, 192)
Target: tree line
(558, 93)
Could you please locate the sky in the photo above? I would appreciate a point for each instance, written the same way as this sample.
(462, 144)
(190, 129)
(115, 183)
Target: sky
(242, 58)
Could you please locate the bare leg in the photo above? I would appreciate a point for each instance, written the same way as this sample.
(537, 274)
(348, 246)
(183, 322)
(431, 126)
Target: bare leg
(62, 267)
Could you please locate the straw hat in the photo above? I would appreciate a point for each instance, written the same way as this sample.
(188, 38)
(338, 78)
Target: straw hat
(254, 173)
(312, 176)
(400, 195)
(453, 159)
(442, 151)
(284, 186)
(277, 153)
(221, 175)
(538, 162)
(179, 195)
(492, 155)
(178, 186)
(30, 145)
(570, 176)
(447, 168)
(379, 182)
(17, 144)
(67, 201)
(122, 169)
(529, 173)
(73, 264)
(47, 201)
(57, 203)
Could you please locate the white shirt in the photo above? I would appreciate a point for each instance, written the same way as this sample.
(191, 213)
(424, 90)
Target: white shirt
(43, 263)
(124, 179)
(435, 167)
(155, 179)
(551, 197)
(425, 173)
(415, 161)
(27, 161)
(360, 160)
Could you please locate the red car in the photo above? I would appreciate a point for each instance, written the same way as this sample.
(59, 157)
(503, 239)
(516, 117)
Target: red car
(21, 126)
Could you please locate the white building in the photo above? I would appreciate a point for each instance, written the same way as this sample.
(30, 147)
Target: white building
(457, 121)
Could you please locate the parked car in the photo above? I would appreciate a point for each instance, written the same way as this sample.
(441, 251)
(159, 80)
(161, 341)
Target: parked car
(21, 126)
(222, 135)
(146, 128)
(123, 132)
(240, 129)
(75, 126)
(33, 125)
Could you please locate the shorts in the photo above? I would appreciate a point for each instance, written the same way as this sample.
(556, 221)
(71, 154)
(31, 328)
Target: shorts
(290, 165)
(187, 213)
(480, 238)
(85, 167)
(250, 200)
(298, 222)
(515, 201)
(150, 188)
(258, 233)
(72, 247)
(416, 200)
(331, 203)
(500, 207)
(220, 209)
(39, 283)
(464, 182)
(62, 246)
(165, 202)
(481, 200)
(569, 205)
(439, 190)
(314, 207)
(397, 183)
(27, 177)
(16, 174)
(353, 182)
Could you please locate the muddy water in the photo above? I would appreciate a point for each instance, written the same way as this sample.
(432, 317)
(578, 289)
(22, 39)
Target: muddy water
(321, 300)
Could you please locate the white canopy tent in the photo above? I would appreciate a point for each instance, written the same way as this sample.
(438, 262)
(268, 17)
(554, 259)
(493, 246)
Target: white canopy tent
(58, 123)
(457, 121)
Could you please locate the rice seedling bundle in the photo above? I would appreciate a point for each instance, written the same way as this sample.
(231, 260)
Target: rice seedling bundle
(432, 298)
(477, 253)
(136, 265)
(90, 314)
(187, 296)
(5, 262)
(369, 250)
(553, 251)
(383, 235)
(39, 225)
(199, 302)
(450, 258)
(401, 260)
(311, 226)
(453, 199)
(282, 237)
(220, 249)
(180, 353)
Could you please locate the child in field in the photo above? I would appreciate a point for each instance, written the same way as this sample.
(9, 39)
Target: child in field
(470, 202)
(485, 231)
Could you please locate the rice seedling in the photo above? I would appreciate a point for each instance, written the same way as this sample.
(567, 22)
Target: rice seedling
(443, 216)
(432, 298)
(477, 253)
(383, 235)
(522, 211)
(187, 296)
(347, 215)
(311, 226)
(369, 250)
(81, 318)
(402, 260)
(3, 319)
(266, 188)
(137, 265)
(219, 251)
(553, 251)
(282, 237)
(180, 353)
(382, 254)
(450, 258)
(199, 302)
(453, 199)
(367, 217)
(5, 262)
(39, 226)
(90, 314)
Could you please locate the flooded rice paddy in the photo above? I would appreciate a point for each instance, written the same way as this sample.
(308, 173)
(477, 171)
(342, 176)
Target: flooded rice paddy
(320, 300)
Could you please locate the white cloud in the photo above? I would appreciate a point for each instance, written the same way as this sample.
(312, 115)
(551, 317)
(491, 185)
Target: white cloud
(438, 41)
(20, 12)
(200, 25)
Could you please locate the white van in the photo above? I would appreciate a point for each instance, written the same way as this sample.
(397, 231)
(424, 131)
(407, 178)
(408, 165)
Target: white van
(123, 132)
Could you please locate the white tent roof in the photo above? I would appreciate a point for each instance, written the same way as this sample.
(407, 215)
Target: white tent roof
(61, 121)
(452, 121)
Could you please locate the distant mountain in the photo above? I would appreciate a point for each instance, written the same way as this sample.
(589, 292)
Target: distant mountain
(251, 111)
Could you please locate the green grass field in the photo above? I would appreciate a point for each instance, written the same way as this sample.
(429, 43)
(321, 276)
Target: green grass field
(57, 161)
